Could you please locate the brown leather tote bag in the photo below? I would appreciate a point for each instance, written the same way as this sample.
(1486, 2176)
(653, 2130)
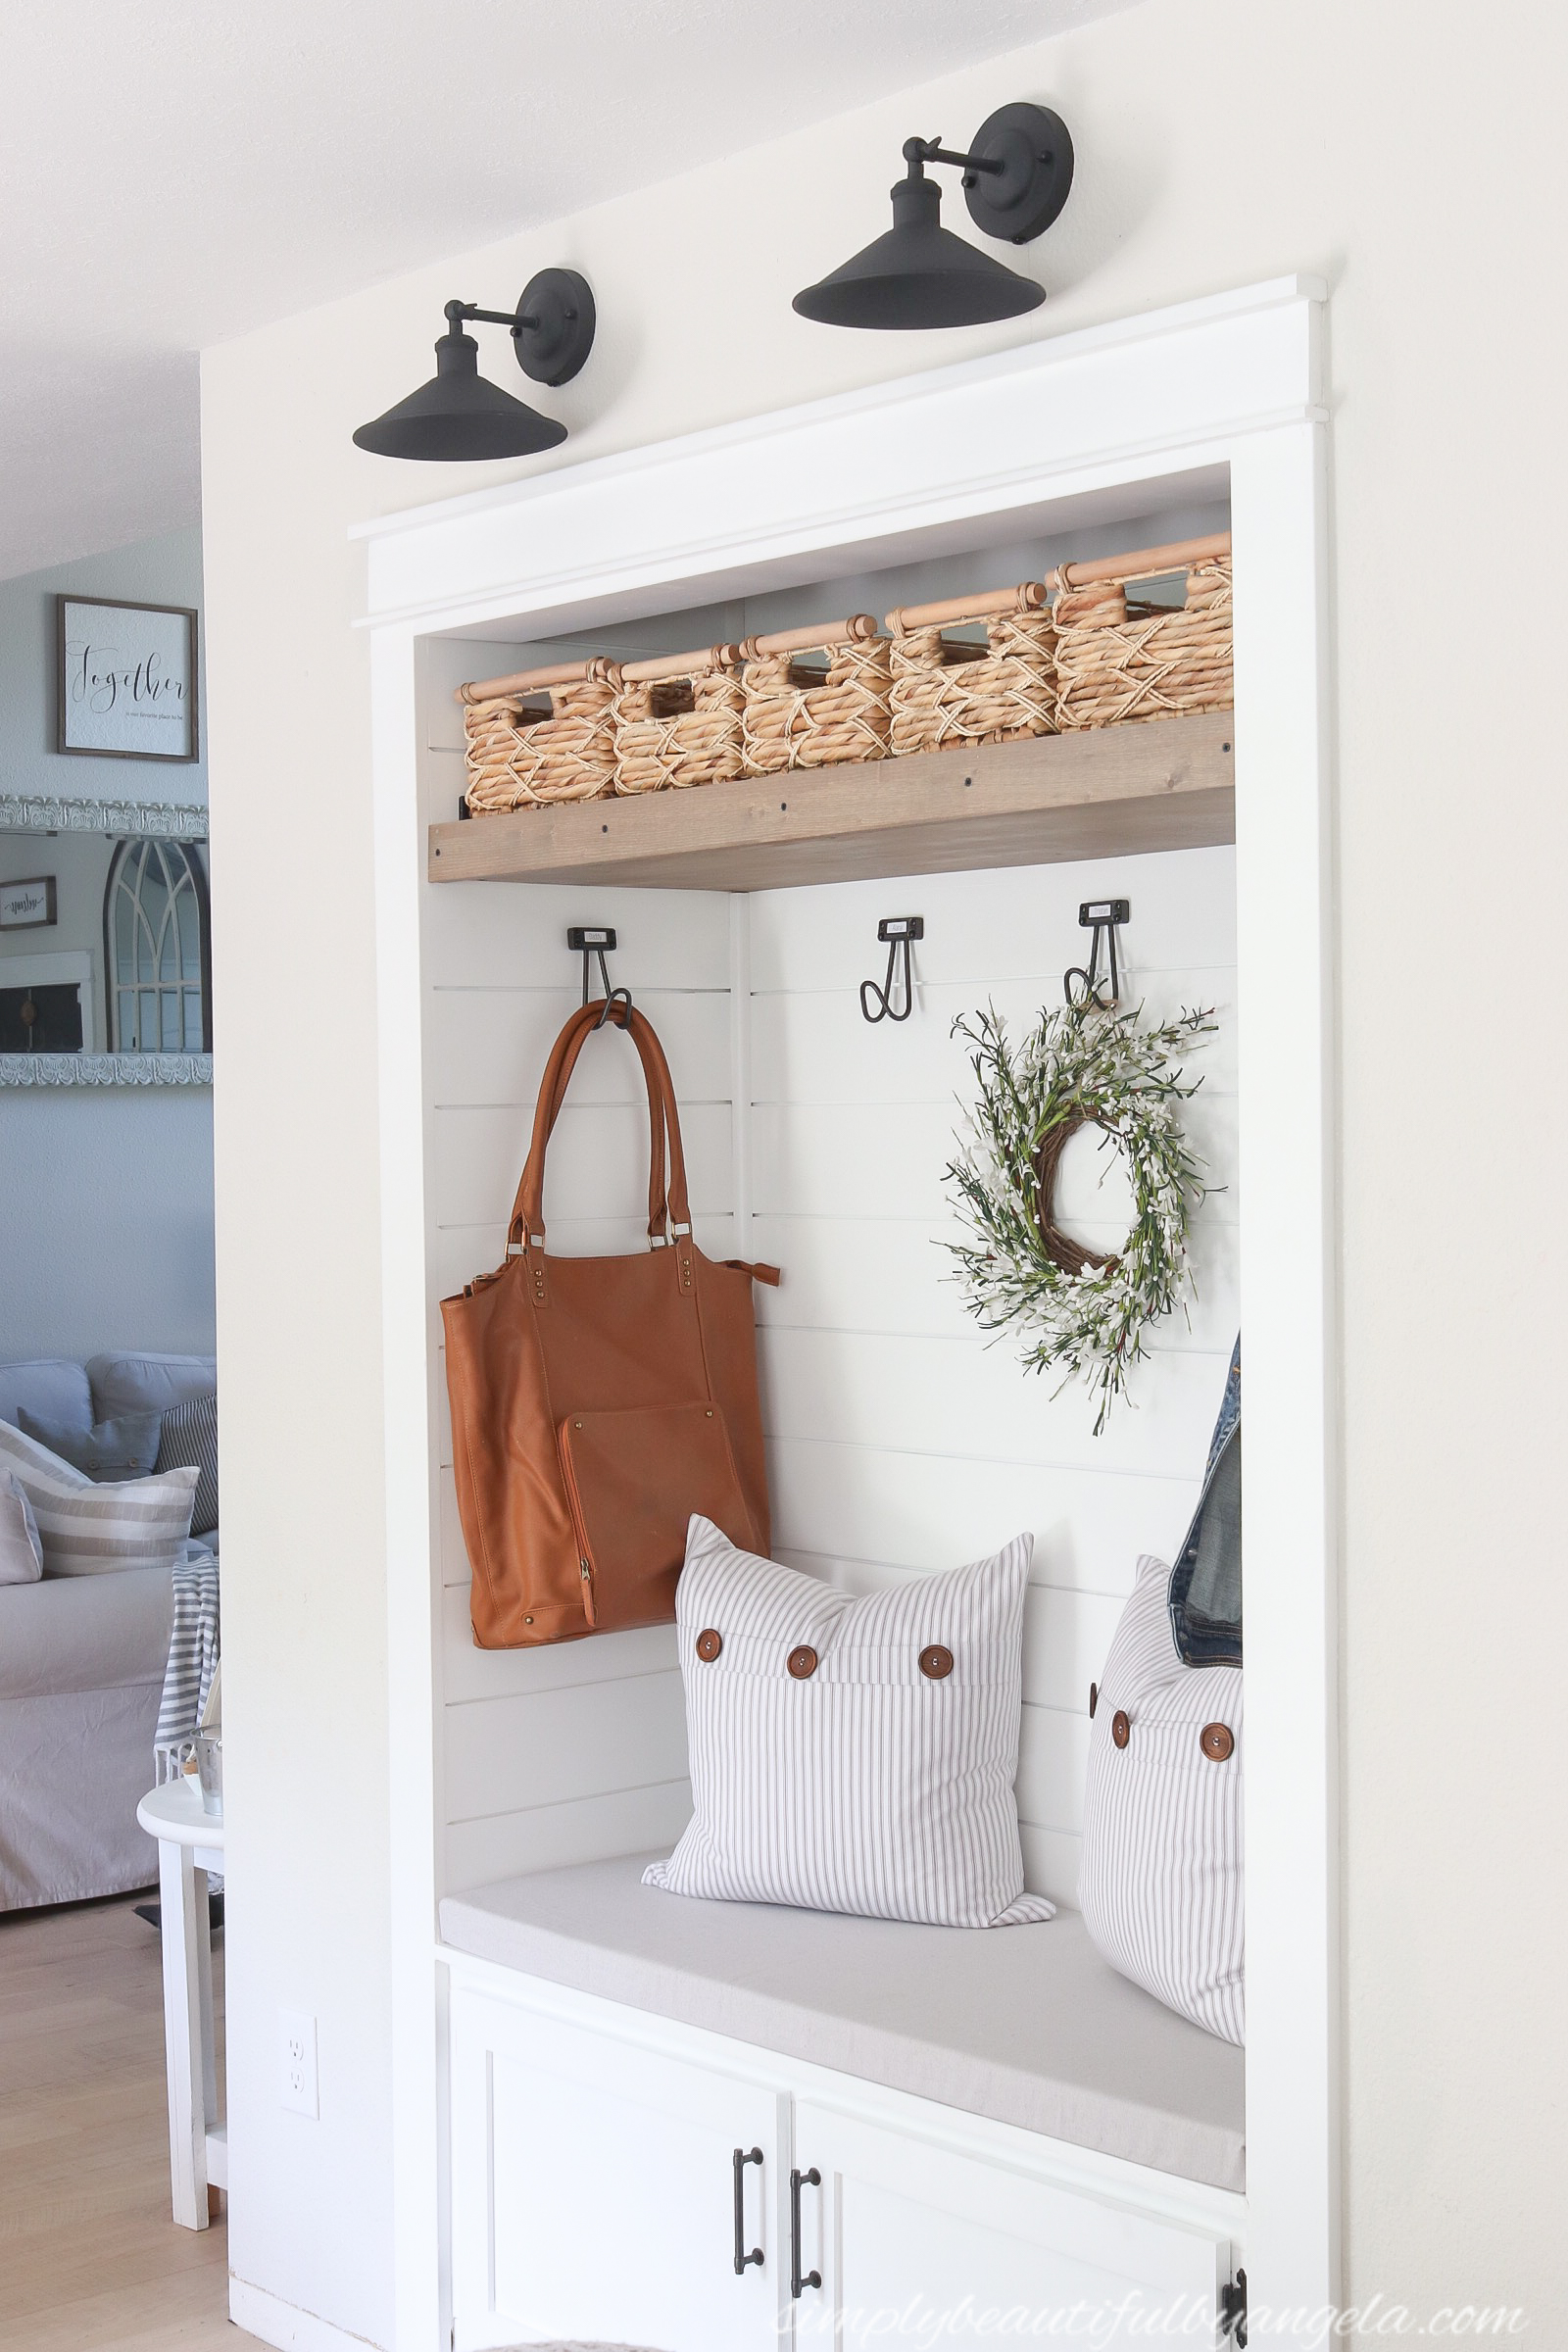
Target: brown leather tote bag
(597, 1403)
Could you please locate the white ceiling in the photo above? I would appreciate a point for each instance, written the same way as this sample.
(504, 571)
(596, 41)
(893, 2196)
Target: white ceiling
(177, 172)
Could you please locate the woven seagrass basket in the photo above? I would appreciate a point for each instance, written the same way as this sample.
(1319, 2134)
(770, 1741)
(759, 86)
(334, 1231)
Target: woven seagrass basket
(950, 690)
(1120, 659)
(678, 721)
(540, 736)
(800, 714)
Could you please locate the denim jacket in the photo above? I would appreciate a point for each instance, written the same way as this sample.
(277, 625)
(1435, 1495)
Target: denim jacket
(1205, 1584)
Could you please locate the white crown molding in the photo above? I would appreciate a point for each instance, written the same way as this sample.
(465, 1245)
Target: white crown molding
(1046, 351)
(771, 498)
(106, 1069)
(49, 813)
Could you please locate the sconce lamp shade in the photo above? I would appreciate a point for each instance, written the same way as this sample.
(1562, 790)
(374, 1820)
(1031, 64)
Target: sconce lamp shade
(459, 415)
(919, 275)
(1017, 172)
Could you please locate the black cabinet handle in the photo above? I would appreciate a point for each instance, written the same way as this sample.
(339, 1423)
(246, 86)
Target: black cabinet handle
(742, 2260)
(798, 2279)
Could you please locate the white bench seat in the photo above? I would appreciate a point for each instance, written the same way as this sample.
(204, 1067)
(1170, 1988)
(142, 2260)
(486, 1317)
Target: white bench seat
(1025, 2025)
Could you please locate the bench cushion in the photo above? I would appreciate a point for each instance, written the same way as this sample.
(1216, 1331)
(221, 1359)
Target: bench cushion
(1031, 2027)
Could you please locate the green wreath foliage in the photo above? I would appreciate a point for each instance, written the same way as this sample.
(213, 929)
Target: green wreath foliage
(1079, 1064)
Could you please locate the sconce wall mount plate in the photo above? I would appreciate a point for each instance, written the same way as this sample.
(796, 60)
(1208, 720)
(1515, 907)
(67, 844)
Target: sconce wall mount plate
(1016, 175)
(1026, 156)
(552, 326)
(460, 418)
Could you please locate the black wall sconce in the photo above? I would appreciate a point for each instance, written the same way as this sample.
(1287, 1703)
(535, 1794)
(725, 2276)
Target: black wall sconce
(1016, 176)
(459, 416)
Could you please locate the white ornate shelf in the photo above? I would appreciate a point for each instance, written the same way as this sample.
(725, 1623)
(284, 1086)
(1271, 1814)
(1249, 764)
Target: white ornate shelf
(106, 1069)
(44, 813)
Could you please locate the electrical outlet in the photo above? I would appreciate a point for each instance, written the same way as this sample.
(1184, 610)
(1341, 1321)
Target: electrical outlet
(298, 2085)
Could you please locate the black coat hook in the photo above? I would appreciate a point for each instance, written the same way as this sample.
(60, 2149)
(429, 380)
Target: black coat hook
(1102, 915)
(588, 943)
(898, 931)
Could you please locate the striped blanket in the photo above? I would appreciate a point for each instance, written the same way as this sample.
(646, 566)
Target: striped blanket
(192, 1653)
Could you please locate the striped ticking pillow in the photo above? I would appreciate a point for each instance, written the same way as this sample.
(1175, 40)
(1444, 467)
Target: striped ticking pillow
(1161, 1880)
(852, 1754)
(189, 1441)
(89, 1530)
(20, 1552)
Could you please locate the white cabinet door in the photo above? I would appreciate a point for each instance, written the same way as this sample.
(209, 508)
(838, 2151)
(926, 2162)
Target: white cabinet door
(593, 2191)
(917, 2242)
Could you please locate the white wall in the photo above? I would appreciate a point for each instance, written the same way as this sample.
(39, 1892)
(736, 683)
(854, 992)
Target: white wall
(568, 1753)
(107, 1238)
(1218, 143)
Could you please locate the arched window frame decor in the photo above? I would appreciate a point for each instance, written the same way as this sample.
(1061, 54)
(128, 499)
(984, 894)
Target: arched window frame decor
(134, 853)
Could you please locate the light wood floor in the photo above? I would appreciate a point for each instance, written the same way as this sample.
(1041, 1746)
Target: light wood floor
(89, 2259)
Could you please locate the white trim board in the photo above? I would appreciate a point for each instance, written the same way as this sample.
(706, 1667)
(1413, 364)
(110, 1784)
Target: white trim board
(1109, 420)
(848, 482)
(272, 2320)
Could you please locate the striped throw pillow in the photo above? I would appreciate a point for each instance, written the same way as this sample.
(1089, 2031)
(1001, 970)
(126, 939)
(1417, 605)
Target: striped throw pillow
(89, 1530)
(189, 1441)
(852, 1754)
(20, 1552)
(1160, 1877)
(110, 1452)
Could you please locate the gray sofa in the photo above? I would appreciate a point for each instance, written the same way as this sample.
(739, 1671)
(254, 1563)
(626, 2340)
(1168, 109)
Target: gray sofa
(82, 1666)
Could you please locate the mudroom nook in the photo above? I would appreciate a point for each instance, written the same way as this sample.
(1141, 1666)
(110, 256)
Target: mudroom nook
(792, 2118)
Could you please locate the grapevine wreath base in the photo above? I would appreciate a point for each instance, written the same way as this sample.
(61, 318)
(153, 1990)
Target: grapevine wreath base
(1080, 1066)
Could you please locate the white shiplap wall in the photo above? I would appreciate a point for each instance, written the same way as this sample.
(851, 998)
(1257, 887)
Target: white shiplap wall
(900, 1442)
(566, 1753)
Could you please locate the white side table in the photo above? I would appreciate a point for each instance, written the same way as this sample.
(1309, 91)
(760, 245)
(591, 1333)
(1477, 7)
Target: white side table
(190, 1844)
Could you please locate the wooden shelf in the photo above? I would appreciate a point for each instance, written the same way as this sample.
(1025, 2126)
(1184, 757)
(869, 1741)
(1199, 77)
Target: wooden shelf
(1168, 784)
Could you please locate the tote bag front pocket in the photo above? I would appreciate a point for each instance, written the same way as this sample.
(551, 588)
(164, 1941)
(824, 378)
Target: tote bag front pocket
(633, 1478)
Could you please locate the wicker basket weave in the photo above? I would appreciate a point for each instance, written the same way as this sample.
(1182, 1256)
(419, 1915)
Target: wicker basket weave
(551, 737)
(953, 691)
(678, 721)
(1119, 661)
(800, 716)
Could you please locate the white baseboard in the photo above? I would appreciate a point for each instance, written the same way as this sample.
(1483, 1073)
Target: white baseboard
(283, 2323)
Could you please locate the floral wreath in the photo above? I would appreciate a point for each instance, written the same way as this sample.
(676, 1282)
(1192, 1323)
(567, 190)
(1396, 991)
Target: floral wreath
(1081, 1066)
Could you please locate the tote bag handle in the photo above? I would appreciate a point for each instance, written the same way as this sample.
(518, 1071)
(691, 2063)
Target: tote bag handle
(527, 1214)
(551, 1091)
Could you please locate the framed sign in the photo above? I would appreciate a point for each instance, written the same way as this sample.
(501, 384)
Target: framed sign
(126, 679)
(27, 905)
